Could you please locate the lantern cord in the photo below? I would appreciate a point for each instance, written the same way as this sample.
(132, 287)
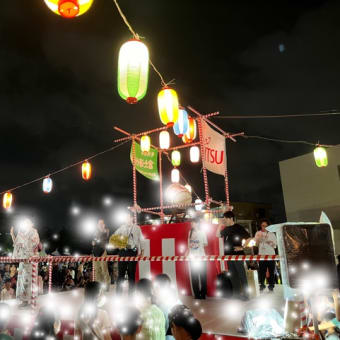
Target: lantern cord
(163, 83)
(288, 141)
(331, 113)
(136, 36)
(65, 168)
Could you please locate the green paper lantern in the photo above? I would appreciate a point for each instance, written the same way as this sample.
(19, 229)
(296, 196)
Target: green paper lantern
(133, 71)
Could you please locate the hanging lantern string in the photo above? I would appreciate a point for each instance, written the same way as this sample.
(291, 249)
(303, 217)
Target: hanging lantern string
(328, 113)
(289, 141)
(63, 169)
(136, 36)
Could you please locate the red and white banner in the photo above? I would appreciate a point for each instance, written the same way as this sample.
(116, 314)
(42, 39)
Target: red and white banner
(214, 158)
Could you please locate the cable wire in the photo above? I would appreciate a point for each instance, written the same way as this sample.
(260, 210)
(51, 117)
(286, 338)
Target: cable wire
(280, 116)
(288, 141)
(64, 168)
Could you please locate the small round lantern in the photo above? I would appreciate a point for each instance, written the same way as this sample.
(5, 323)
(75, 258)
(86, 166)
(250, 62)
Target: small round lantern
(320, 156)
(145, 143)
(86, 170)
(133, 71)
(164, 140)
(194, 154)
(47, 185)
(7, 200)
(175, 175)
(69, 8)
(168, 106)
(182, 124)
(176, 158)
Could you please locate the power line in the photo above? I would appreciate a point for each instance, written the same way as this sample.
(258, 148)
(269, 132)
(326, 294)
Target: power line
(64, 168)
(288, 141)
(280, 116)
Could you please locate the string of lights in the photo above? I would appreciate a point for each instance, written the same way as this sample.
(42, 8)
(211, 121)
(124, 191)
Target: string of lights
(322, 114)
(64, 168)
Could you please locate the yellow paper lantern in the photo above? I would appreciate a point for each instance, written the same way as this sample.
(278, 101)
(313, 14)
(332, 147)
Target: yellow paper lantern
(175, 175)
(168, 106)
(320, 156)
(7, 200)
(145, 143)
(164, 140)
(176, 158)
(194, 154)
(191, 133)
(86, 170)
(133, 71)
(69, 8)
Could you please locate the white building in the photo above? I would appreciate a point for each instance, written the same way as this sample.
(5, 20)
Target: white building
(308, 190)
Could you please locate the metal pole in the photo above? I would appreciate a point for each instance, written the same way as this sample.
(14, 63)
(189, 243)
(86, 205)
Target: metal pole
(205, 176)
(161, 185)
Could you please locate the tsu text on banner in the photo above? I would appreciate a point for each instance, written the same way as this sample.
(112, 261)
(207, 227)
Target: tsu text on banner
(214, 150)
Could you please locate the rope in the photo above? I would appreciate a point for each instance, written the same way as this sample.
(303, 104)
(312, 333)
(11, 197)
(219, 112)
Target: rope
(63, 169)
(115, 258)
(136, 36)
(281, 116)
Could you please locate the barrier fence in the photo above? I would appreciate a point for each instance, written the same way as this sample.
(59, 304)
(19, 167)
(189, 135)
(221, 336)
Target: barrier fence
(50, 260)
(115, 258)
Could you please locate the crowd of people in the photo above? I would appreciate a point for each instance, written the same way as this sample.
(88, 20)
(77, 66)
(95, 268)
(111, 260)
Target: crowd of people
(153, 311)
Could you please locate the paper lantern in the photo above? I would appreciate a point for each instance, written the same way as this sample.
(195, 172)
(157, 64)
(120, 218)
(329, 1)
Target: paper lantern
(320, 156)
(47, 185)
(182, 124)
(69, 8)
(191, 133)
(178, 194)
(133, 71)
(86, 170)
(174, 175)
(164, 140)
(7, 200)
(198, 205)
(194, 154)
(176, 158)
(145, 143)
(168, 106)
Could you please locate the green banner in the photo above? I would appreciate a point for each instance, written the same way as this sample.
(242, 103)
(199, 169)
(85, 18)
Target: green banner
(146, 162)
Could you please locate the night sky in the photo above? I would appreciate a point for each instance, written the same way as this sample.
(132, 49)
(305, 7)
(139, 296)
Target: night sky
(59, 99)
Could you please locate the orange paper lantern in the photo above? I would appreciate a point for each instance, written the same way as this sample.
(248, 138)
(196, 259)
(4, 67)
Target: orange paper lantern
(7, 200)
(191, 133)
(86, 170)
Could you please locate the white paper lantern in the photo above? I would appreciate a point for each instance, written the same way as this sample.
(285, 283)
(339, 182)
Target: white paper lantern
(175, 176)
(164, 140)
(194, 154)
